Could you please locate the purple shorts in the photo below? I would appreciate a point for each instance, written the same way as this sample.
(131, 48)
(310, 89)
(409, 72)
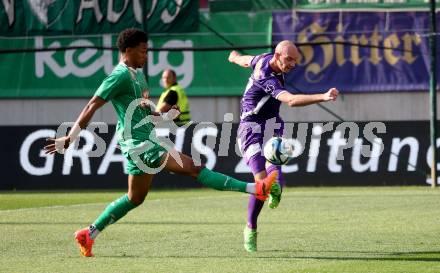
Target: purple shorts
(252, 135)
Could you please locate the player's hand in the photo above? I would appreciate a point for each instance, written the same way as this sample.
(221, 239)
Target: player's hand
(57, 145)
(145, 103)
(331, 94)
(234, 54)
(173, 113)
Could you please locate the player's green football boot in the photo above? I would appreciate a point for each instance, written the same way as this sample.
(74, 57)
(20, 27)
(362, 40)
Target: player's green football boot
(250, 239)
(275, 195)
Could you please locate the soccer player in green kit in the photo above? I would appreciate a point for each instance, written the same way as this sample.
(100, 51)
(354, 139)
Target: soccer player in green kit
(126, 87)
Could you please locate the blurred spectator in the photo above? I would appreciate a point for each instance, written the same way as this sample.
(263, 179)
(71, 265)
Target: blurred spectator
(173, 95)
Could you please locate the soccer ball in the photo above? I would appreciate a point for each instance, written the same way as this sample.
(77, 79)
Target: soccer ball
(277, 151)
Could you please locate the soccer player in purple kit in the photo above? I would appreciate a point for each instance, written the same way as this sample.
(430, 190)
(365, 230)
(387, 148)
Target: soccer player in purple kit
(260, 104)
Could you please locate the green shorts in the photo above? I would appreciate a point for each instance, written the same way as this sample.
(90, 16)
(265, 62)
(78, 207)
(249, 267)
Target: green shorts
(141, 155)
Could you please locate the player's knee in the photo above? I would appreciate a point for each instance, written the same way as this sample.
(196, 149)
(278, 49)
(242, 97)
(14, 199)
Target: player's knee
(195, 170)
(137, 199)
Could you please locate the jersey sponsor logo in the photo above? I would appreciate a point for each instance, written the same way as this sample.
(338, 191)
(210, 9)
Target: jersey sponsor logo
(269, 88)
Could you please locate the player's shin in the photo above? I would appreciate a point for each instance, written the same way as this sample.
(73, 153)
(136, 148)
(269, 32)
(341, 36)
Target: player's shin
(222, 182)
(114, 211)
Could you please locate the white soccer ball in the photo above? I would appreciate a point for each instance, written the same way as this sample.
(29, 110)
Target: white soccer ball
(278, 151)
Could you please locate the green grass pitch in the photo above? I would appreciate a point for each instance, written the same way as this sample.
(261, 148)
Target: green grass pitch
(314, 230)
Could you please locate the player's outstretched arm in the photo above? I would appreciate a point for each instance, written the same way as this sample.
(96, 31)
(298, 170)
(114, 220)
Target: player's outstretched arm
(171, 114)
(59, 144)
(302, 100)
(241, 60)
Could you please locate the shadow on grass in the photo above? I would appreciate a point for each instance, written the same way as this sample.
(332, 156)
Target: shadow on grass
(414, 256)
(222, 223)
(293, 257)
(127, 223)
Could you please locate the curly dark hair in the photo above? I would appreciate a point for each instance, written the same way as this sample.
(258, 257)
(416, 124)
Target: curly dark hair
(131, 37)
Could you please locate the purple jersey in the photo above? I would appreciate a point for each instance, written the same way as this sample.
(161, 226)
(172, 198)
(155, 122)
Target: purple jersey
(258, 106)
(259, 102)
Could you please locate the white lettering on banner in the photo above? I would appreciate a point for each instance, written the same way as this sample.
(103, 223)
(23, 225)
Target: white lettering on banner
(10, 11)
(166, 17)
(184, 72)
(89, 4)
(110, 157)
(137, 10)
(152, 9)
(113, 16)
(39, 8)
(335, 144)
(315, 144)
(373, 160)
(162, 132)
(242, 167)
(204, 141)
(201, 148)
(74, 66)
(98, 141)
(42, 8)
(429, 155)
(82, 154)
(24, 153)
(370, 136)
(180, 136)
(397, 146)
(74, 63)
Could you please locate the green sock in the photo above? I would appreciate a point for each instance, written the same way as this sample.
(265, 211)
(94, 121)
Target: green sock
(220, 181)
(113, 212)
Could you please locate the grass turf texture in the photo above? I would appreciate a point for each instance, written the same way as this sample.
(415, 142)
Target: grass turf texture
(313, 230)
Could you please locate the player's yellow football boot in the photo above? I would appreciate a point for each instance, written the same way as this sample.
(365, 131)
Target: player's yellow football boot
(84, 241)
(263, 187)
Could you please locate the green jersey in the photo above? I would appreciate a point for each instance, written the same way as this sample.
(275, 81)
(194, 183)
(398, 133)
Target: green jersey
(122, 87)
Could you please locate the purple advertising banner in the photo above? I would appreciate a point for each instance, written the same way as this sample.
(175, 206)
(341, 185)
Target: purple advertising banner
(393, 56)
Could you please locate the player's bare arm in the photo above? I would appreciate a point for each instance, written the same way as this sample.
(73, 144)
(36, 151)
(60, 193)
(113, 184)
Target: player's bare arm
(165, 107)
(83, 119)
(294, 100)
(241, 60)
(171, 114)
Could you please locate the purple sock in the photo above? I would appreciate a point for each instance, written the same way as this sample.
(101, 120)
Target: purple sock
(254, 209)
(255, 206)
(257, 164)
